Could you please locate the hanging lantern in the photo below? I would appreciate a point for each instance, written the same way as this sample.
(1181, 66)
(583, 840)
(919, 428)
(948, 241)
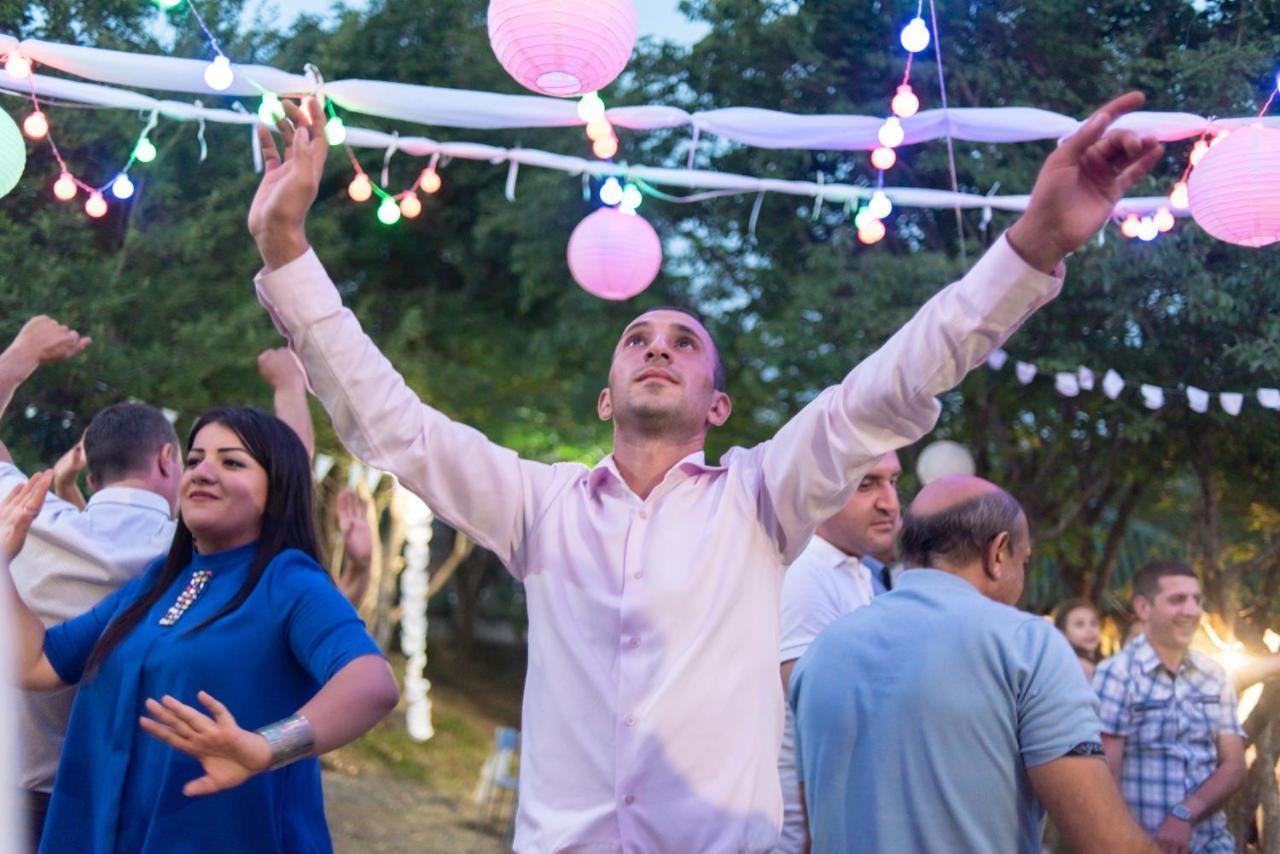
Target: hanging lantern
(614, 255)
(13, 153)
(1235, 190)
(563, 48)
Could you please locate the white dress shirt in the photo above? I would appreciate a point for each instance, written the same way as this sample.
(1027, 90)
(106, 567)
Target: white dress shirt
(72, 559)
(652, 708)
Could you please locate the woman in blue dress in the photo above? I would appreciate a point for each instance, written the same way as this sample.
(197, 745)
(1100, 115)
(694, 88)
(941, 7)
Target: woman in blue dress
(209, 685)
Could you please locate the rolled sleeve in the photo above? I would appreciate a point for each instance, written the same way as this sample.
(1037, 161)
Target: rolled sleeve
(1057, 711)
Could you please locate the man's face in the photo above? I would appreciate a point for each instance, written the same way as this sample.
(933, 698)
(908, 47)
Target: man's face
(870, 522)
(1173, 614)
(662, 379)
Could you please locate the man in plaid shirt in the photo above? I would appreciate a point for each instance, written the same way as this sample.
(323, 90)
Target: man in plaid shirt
(1169, 726)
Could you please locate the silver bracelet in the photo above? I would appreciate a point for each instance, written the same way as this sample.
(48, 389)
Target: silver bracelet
(291, 739)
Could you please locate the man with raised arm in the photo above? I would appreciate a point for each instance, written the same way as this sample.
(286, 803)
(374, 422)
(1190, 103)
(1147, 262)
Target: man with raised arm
(652, 710)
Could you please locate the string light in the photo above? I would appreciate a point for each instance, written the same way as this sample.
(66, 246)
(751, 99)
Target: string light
(1129, 228)
(36, 125)
(611, 192)
(144, 151)
(1163, 220)
(361, 188)
(599, 129)
(891, 133)
(1179, 199)
(605, 147)
(335, 132)
(591, 107)
(388, 211)
(1147, 229)
(429, 181)
(880, 206)
(905, 104)
(1198, 151)
(410, 205)
(915, 35)
(218, 74)
(96, 206)
(871, 232)
(65, 187)
(883, 158)
(17, 66)
(166, 4)
(122, 187)
(270, 110)
(631, 198)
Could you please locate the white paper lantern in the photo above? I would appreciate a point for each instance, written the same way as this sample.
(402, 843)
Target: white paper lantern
(613, 254)
(1235, 189)
(563, 48)
(942, 459)
(13, 154)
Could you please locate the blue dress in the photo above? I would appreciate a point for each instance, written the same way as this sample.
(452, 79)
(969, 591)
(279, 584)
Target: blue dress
(120, 790)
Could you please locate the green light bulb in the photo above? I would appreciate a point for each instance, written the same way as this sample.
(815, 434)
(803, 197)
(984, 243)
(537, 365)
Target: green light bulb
(388, 212)
(270, 110)
(144, 151)
(335, 131)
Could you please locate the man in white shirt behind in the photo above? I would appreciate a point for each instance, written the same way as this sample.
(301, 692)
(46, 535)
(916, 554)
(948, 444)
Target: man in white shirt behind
(841, 570)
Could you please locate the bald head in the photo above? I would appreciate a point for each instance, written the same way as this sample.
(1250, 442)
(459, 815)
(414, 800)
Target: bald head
(954, 519)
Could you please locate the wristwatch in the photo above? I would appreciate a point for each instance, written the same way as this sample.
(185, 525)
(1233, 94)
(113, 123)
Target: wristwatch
(1180, 811)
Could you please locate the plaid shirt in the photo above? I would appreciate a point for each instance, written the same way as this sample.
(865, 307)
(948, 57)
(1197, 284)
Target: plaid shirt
(1170, 726)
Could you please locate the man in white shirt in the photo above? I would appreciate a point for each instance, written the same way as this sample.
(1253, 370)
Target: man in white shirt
(652, 714)
(842, 569)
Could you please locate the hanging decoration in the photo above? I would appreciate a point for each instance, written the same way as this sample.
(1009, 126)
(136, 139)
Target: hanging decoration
(414, 583)
(614, 254)
(563, 48)
(1235, 190)
(13, 154)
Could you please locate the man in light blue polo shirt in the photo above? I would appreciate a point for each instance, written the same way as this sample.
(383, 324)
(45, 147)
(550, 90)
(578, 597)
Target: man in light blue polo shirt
(939, 718)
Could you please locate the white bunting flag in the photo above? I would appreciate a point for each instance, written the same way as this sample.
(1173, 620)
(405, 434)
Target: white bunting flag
(1026, 372)
(1152, 396)
(1231, 401)
(1086, 378)
(1112, 384)
(1198, 398)
(1067, 384)
(997, 359)
(1269, 397)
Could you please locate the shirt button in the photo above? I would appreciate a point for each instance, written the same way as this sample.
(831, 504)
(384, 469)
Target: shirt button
(644, 514)
(629, 800)
(639, 573)
(633, 643)
(629, 720)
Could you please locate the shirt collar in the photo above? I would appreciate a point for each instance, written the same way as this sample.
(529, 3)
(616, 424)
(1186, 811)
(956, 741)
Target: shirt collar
(607, 470)
(1148, 660)
(934, 578)
(831, 554)
(131, 496)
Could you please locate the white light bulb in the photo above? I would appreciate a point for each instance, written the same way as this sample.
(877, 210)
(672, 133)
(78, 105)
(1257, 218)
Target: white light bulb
(218, 74)
(611, 192)
(122, 187)
(17, 66)
(880, 206)
(270, 110)
(591, 108)
(1147, 229)
(631, 198)
(915, 35)
(891, 133)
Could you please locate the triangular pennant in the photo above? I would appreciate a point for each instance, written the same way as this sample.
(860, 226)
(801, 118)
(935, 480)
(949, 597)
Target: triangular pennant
(1086, 378)
(1198, 398)
(1231, 401)
(1067, 384)
(1269, 397)
(1152, 396)
(1026, 372)
(1112, 384)
(997, 359)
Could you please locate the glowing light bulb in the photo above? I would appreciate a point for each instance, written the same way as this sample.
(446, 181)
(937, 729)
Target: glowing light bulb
(1163, 219)
(1129, 228)
(17, 66)
(122, 187)
(1198, 151)
(1179, 199)
(271, 110)
(335, 132)
(96, 206)
(166, 4)
(388, 211)
(891, 133)
(605, 147)
(429, 181)
(905, 104)
(631, 198)
(144, 151)
(218, 74)
(862, 218)
(1147, 229)
(872, 232)
(591, 107)
(410, 205)
(883, 158)
(611, 192)
(35, 126)
(915, 35)
(65, 187)
(1219, 137)
(880, 206)
(360, 189)
(599, 129)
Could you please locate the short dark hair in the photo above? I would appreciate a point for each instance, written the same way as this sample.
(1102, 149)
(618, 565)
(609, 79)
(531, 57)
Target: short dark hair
(1146, 581)
(721, 377)
(961, 533)
(122, 438)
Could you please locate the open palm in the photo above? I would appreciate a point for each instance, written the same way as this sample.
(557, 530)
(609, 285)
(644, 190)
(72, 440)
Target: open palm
(289, 182)
(228, 754)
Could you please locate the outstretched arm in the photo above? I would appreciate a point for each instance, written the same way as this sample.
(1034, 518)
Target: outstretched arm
(41, 341)
(17, 512)
(282, 371)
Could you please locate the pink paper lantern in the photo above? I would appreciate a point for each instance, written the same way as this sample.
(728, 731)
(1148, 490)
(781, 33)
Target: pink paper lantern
(1235, 189)
(614, 255)
(563, 48)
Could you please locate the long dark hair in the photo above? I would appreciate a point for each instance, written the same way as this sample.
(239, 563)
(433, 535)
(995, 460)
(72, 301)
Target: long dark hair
(1060, 615)
(287, 520)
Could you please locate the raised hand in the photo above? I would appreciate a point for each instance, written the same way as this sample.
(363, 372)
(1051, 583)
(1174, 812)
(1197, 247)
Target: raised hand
(281, 369)
(18, 511)
(277, 217)
(44, 341)
(357, 542)
(229, 755)
(66, 474)
(1080, 183)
